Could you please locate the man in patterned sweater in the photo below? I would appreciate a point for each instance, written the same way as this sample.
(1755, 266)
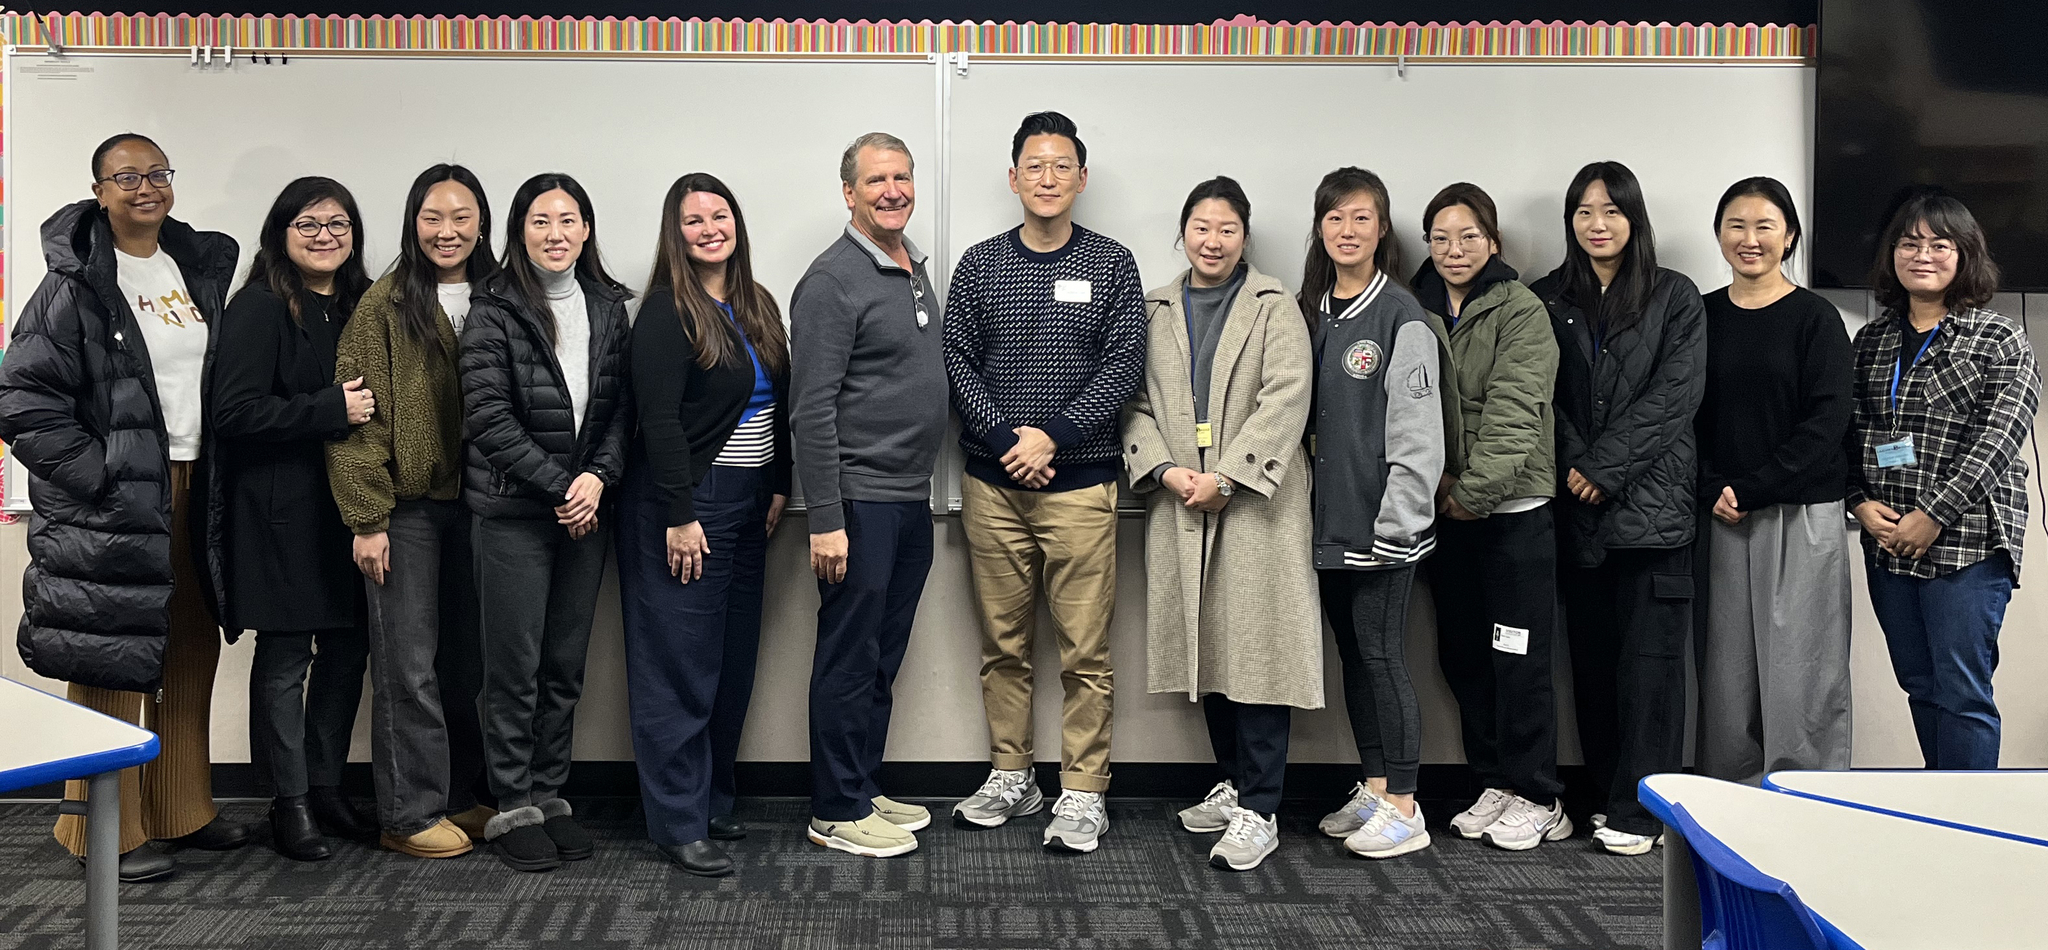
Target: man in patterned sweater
(1045, 342)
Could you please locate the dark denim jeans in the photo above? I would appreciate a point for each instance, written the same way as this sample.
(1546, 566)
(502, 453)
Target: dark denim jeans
(1943, 638)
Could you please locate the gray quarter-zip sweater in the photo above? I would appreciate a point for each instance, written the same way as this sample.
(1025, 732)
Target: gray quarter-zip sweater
(867, 379)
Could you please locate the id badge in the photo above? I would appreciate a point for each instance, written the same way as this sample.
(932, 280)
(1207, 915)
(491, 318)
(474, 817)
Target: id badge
(1896, 454)
(1513, 640)
(1205, 437)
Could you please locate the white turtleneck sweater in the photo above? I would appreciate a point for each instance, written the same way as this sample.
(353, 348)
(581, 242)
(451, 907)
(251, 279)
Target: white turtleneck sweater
(572, 335)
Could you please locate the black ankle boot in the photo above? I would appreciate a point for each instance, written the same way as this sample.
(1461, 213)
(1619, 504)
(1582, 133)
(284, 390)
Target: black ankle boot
(335, 816)
(292, 831)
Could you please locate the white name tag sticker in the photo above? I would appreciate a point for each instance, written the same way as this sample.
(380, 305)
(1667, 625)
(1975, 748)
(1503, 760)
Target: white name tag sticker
(1513, 640)
(1073, 291)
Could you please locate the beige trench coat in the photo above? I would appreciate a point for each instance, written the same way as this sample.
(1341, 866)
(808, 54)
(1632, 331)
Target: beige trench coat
(1231, 601)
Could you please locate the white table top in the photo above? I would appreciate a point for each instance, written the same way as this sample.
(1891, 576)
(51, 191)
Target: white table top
(1888, 883)
(2014, 804)
(44, 738)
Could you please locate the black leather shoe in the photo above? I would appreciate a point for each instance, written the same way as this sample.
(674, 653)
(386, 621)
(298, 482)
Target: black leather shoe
(219, 834)
(143, 864)
(702, 858)
(293, 832)
(727, 828)
(336, 816)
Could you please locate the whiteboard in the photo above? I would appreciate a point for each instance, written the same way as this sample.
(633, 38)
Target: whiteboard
(236, 134)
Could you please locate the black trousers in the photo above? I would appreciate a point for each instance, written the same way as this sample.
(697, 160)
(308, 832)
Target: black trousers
(1250, 741)
(1369, 612)
(863, 631)
(299, 726)
(1501, 572)
(1628, 620)
(538, 592)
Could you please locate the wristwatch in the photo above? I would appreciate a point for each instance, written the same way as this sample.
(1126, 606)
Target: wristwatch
(1223, 486)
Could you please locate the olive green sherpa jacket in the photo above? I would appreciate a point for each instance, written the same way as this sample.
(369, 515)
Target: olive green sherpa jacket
(412, 446)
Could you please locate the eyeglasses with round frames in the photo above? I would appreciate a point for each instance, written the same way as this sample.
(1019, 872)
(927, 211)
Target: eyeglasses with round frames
(1937, 250)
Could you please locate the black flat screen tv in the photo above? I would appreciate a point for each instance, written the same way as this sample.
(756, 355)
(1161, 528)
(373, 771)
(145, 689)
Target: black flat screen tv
(1950, 93)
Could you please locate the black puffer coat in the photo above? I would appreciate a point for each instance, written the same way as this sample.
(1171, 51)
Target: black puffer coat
(524, 447)
(1624, 419)
(79, 407)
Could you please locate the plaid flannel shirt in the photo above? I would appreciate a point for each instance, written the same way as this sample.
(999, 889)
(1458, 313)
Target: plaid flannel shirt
(1969, 405)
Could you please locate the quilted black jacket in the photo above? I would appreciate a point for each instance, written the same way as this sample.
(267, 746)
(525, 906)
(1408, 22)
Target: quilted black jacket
(1624, 419)
(524, 447)
(79, 407)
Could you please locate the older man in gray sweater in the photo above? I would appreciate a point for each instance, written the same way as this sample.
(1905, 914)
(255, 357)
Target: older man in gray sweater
(869, 385)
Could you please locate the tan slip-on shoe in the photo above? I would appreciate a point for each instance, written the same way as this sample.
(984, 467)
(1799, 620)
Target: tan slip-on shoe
(473, 820)
(440, 840)
(905, 816)
(870, 837)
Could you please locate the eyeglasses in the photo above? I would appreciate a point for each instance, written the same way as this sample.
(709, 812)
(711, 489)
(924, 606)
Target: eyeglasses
(1034, 171)
(1937, 250)
(311, 229)
(1439, 243)
(129, 181)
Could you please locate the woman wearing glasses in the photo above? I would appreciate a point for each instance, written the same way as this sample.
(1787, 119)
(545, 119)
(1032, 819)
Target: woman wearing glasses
(546, 406)
(275, 405)
(396, 479)
(100, 400)
(1945, 396)
(1774, 655)
(1495, 569)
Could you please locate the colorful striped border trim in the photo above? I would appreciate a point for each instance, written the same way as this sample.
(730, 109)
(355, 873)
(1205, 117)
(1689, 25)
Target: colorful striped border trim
(1242, 37)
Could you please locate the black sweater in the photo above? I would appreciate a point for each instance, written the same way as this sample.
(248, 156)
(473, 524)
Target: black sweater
(1777, 402)
(687, 412)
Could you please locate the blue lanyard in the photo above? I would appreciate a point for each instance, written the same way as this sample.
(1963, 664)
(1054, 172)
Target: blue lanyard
(1899, 367)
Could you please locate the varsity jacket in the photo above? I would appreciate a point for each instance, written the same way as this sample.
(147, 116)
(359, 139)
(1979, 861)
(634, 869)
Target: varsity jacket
(1378, 424)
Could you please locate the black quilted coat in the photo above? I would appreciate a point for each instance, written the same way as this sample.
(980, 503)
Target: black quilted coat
(1624, 420)
(78, 406)
(524, 448)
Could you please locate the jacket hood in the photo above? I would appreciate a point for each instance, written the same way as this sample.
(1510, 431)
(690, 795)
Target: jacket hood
(499, 289)
(78, 235)
(1255, 283)
(1435, 295)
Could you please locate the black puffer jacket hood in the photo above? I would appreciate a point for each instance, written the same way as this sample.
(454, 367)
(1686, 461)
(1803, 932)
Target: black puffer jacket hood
(79, 407)
(1624, 419)
(524, 446)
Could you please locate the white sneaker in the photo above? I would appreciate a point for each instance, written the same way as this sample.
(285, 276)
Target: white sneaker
(1525, 824)
(1249, 839)
(1488, 809)
(1005, 795)
(1213, 812)
(1623, 843)
(1388, 835)
(1078, 820)
(1599, 820)
(1342, 822)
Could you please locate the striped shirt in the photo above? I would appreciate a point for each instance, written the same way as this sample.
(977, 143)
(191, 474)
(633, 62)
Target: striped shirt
(752, 443)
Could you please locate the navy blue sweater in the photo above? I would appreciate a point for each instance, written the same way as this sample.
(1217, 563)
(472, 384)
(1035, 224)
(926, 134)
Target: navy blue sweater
(1055, 341)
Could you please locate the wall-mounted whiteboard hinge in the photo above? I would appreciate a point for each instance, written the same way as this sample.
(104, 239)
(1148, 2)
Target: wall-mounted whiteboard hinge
(960, 63)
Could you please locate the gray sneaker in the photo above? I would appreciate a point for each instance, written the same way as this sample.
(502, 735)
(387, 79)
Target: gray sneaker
(1488, 809)
(1078, 820)
(1249, 838)
(1525, 824)
(1342, 822)
(1007, 794)
(1386, 834)
(1213, 813)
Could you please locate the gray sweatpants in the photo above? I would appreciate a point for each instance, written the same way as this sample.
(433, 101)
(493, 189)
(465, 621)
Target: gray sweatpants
(1774, 658)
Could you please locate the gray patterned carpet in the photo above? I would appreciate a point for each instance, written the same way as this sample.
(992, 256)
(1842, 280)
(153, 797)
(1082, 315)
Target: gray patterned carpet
(1148, 887)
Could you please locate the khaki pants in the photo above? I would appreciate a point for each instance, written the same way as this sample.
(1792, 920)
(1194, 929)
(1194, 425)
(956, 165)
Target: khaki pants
(171, 795)
(1015, 538)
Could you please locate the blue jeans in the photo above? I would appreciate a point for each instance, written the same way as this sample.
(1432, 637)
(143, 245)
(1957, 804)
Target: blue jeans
(1943, 638)
(691, 648)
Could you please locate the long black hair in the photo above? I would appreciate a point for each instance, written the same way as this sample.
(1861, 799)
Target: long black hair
(1629, 294)
(518, 268)
(1318, 271)
(753, 307)
(273, 265)
(417, 276)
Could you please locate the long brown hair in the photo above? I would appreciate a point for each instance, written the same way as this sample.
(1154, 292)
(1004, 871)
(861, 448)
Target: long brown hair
(1318, 271)
(753, 307)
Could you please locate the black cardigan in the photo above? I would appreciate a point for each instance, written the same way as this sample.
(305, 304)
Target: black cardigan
(688, 412)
